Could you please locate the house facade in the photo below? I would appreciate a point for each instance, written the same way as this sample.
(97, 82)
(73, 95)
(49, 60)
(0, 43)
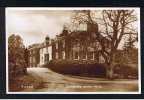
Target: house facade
(34, 57)
(45, 52)
(80, 45)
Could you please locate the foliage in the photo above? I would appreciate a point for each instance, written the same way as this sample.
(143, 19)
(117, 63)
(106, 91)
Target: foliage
(126, 71)
(92, 69)
(16, 56)
(130, 52)
(80, 68)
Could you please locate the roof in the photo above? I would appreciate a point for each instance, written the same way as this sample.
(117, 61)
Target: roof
(38, 46)
(33, 46)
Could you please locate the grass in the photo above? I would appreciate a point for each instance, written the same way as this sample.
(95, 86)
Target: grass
(25, 82)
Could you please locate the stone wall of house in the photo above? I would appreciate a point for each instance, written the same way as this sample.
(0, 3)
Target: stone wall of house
(77, 45)
(45, 55)
(34, 57)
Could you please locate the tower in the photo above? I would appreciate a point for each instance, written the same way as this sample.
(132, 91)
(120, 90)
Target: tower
(47, 40)
(92, 27)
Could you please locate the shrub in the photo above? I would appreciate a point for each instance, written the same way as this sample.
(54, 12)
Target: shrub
(92, 69)
(126, 71)
(80, 68)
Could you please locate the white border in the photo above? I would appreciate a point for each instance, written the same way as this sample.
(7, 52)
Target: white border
(78, 8)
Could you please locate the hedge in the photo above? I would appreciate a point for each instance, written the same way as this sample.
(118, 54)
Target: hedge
(91, 69)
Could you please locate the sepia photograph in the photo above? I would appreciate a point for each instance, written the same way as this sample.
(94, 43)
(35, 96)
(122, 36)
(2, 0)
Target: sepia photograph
(63, 50)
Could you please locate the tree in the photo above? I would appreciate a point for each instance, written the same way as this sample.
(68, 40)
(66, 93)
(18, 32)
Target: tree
(115, 24)
(26, 57)
(129, 50)
(116, 27)
(129, 44)
(16, 56)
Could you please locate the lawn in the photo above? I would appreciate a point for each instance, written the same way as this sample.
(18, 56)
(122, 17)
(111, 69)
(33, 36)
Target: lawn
(25, 82)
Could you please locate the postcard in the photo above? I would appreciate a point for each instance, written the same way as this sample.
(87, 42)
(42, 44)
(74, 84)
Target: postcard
(77, 50)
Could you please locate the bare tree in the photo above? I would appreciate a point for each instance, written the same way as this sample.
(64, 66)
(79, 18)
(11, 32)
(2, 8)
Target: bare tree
(116, 25)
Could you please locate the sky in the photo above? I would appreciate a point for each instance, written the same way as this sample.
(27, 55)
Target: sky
(33, 25)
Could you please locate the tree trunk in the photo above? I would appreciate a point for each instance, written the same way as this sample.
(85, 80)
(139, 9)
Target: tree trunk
(110, 66)
(109, 73)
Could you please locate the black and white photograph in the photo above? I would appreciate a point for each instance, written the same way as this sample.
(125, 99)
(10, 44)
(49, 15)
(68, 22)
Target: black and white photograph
(73, 50)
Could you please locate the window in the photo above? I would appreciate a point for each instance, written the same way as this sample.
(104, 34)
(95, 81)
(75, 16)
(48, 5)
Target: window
(30, 59)
(57, 45)
(42, 59)
(101, 59)
(76, 55)
(33, 51)
(84, 56)
(46, 49)
(63, 43)
(56, 55)
(33, 60)
(91, 55)
(96, 56)
(63, 54)
(46, 58)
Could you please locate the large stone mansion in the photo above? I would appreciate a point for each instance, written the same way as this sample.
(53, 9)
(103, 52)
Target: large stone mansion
(81, 44)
